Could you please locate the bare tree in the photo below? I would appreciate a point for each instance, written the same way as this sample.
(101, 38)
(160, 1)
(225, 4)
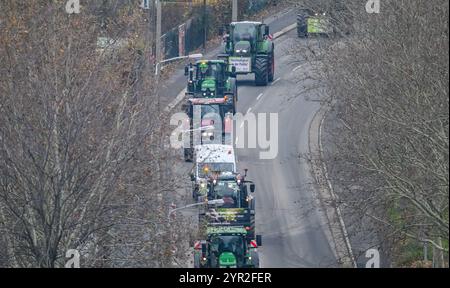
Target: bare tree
(80, 145)
(387, 83)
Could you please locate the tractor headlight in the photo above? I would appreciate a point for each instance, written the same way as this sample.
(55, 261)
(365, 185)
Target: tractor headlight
(244, 51)
(238, 51)
(204, 94)
(207, 134)
(212, 93)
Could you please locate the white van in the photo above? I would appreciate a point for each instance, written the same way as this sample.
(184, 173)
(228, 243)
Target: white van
(211, 158)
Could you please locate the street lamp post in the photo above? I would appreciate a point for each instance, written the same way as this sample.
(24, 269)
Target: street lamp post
(234, 8)
(210, 202)
(192, 56)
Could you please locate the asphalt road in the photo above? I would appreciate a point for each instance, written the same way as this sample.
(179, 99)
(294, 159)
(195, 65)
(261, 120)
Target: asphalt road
(288, 214)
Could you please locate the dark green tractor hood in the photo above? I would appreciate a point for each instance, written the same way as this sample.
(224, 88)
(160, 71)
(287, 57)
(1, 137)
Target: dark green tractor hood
(243, 45)
(227, 259)
(209, 83)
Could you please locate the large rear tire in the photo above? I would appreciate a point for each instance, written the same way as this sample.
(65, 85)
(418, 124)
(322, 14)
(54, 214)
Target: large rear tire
(255, 259)
(302, 26)
(188, 155)
(272, 67)
(232, 102)
(261, 71)
(197, 261)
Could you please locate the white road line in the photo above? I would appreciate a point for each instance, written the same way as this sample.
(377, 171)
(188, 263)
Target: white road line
(296, 68)
(333, 195)
(242, 125)
(237, 139)
(249, 109)
(259, 96)
(278, 79)
(176, 101)
(285, 30)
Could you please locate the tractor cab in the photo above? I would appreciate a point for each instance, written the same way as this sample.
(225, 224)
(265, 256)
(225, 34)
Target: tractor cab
(237, 207)
(245, 36)
(249, 48)
(232, 189)
(209, 79)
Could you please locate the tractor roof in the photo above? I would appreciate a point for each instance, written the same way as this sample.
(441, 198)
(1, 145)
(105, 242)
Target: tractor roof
(215, 153)
(226, 230)
(227, 176)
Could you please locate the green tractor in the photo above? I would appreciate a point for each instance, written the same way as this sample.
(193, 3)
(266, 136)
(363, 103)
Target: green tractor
(329, 18)
(238, 206)
(311, 22)
(212, 79)
(250, 49)
(226, 247)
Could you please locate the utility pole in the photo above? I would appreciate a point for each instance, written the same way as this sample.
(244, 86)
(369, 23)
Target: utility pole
(157, 93)
(158, 32)
(205, 31)
(234, 15)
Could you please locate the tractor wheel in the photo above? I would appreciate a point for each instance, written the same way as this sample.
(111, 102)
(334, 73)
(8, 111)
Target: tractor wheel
(232, 102)
(195, 195)
(234, 88)
(255, 259)
(272, 68)
(261, 71)
(188, 155)
(197, 260)
(302, 26)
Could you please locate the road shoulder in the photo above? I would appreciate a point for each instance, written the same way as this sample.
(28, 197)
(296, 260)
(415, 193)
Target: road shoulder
(338, 232)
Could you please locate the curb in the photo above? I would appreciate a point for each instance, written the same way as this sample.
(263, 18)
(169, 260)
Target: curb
(328, 198)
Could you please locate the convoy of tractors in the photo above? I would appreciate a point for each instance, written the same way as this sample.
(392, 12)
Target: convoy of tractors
(227, 217)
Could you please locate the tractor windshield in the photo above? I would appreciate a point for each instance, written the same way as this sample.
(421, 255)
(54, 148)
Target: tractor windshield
(208, 71)
(228, 191)
(244, 32)
(230, 243)
(205, 168)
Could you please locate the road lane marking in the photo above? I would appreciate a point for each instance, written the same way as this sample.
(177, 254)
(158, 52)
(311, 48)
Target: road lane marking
(259, 96)
(237, 139)
(249, 109)
(176, 101)
(296, 68)
(284, 31)
(278, 79)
